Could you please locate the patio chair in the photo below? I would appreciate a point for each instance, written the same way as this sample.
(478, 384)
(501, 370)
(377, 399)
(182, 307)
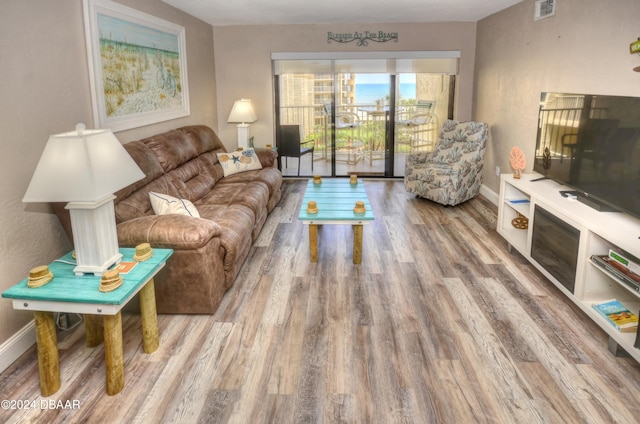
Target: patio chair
(290, 144)
(452, 173)
(419, 132)
(348, 136)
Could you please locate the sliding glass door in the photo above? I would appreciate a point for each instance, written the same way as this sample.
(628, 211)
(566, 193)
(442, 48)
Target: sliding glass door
(424, 100)
(360, 123)
(358, 116)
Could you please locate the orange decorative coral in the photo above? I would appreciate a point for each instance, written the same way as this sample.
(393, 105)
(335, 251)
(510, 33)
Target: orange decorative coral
(518, 161)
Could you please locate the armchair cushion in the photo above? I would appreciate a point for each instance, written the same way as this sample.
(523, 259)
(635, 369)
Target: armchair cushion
(452, 173)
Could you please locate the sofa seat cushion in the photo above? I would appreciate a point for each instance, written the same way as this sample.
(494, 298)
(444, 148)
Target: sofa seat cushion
(269, 176)
(254, 195)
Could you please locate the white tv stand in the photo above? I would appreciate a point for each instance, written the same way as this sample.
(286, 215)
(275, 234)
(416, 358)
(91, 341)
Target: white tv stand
(599, 231)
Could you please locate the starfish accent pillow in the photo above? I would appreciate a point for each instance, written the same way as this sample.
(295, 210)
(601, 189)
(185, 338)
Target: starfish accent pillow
(239, 161)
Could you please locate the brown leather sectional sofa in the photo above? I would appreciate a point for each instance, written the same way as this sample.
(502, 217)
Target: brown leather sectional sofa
(208, 251)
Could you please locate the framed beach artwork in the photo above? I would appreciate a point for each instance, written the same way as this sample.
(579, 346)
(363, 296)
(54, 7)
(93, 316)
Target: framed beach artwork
(137, 66)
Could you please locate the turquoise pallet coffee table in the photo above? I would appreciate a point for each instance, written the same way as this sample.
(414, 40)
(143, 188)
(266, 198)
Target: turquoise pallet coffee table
(336, 200)
(68, 292)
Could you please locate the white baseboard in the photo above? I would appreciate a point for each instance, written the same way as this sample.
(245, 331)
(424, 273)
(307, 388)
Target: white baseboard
(491, 195)
(17, 344)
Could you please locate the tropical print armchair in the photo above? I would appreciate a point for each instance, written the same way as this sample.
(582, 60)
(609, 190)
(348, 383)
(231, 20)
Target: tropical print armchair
(452, 173)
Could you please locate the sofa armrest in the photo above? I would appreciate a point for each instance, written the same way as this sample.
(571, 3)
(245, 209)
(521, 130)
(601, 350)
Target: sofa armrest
(178, 232)
(268, 157)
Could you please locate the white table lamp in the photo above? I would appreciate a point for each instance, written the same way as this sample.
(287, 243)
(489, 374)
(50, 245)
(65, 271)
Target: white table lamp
(85, 167)
(242, 113)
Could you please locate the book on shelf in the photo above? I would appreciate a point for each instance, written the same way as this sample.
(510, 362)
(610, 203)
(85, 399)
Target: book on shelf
(617, 270)
(517, 200)
(617, 315)
(627, 260)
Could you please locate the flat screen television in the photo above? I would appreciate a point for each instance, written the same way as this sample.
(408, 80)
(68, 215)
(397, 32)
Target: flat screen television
(591, 143)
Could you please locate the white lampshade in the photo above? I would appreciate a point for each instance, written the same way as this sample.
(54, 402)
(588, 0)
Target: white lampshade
(242, 112)
(82, 166)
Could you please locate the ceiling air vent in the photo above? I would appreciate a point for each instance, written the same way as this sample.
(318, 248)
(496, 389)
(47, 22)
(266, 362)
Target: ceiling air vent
(544, 9)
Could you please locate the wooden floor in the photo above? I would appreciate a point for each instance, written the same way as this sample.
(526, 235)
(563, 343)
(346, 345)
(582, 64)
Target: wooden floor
(438, 325)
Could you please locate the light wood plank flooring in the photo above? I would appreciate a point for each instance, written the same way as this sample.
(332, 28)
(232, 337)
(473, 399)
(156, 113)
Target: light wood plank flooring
(440, 324)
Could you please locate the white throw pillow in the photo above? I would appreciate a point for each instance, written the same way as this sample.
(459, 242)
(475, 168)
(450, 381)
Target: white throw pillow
(164, 204)
(239, 161)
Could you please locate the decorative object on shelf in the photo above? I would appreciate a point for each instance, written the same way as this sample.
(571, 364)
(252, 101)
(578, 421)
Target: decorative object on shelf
(317, 179)
(127, 50)
(359, 208)
(85, 167)
(546, 159)
(353, 179)
(143, 252)
(39, 276)
(521, 222)
(242, 113)
(312, 207)
(110, 281)
(635, 48)
(518, 161)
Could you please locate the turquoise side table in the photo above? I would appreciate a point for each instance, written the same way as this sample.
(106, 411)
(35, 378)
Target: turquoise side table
(68, 292)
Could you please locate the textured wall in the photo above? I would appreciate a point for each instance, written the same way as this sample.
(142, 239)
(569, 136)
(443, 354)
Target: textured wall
(243, 62)
(45, 90)
(584, 48)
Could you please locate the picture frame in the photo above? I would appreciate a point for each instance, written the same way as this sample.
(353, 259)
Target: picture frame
(137, 66)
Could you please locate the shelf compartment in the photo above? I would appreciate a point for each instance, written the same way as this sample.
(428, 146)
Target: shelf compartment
(517, 237)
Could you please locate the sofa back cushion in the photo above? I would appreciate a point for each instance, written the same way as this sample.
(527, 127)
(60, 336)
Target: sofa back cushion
(137, 204)
(190, 182)
(148, 163)
(209, 145)
(181, 163)
(206, 140)
(173, 148)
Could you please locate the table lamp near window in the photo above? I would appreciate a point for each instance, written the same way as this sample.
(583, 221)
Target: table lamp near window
(243, 113)
(85, 167)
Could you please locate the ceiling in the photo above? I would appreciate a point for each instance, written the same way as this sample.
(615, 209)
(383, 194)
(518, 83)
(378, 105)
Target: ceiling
(278, 12)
